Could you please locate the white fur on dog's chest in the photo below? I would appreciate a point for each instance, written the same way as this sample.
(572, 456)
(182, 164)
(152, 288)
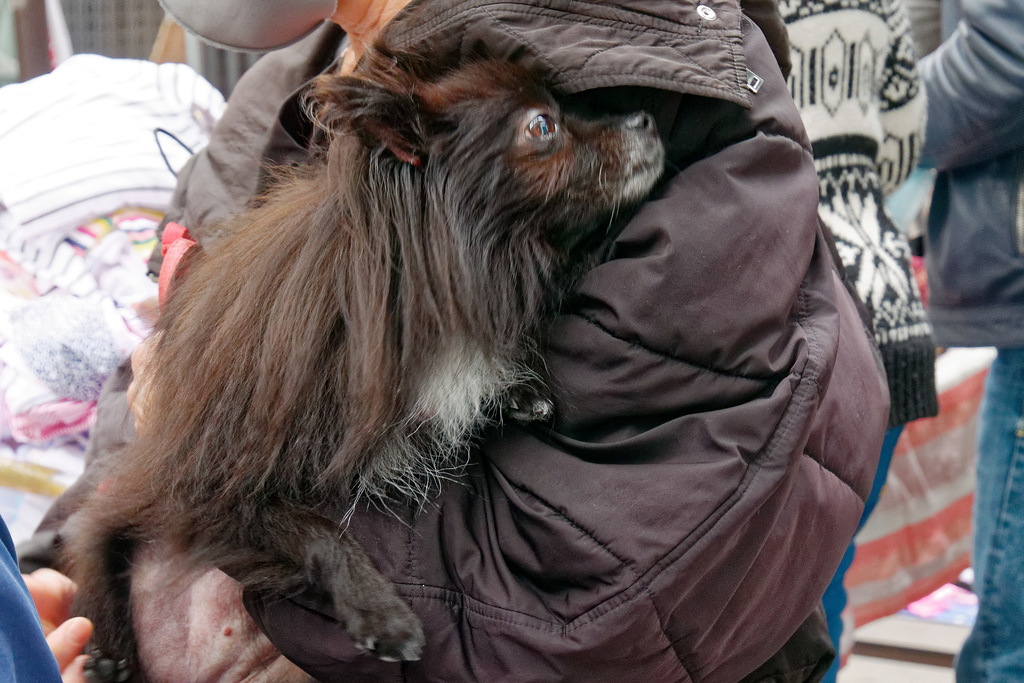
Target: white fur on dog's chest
(461, 390)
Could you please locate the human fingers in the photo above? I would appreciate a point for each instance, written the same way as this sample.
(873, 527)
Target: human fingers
(75, 672)
(68, 640)
(52, 593)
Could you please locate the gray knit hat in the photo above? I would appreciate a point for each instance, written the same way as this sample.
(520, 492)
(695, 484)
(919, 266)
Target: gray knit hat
(256, 25)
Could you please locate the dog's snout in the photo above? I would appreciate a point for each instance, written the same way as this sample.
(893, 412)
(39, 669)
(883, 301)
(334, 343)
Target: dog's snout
(640, 121)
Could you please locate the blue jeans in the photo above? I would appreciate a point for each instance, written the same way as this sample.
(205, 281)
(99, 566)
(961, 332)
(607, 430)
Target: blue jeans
(835, 595)
(994, 651)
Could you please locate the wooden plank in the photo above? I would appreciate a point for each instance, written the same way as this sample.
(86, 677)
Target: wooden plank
(33, 38)
(903, 654)
(169, 45)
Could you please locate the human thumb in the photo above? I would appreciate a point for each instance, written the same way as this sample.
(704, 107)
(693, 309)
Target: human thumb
(68, 640)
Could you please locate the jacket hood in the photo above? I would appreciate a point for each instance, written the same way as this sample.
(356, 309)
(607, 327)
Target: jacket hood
(687, 47)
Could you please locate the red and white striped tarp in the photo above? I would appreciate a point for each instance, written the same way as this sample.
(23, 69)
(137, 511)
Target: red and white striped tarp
(919, 536)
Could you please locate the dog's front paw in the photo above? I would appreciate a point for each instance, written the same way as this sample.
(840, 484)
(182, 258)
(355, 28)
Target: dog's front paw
(102, 669)
(379, 621)
(529, 405)
(391, 633)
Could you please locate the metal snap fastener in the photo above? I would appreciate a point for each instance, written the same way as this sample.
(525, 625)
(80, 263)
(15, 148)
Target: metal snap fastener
(706, 12)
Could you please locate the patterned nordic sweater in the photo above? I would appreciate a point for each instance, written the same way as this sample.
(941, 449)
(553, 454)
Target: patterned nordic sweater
(855, 82)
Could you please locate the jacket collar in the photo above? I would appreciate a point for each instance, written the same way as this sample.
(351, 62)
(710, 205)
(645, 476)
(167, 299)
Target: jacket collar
(685, 46)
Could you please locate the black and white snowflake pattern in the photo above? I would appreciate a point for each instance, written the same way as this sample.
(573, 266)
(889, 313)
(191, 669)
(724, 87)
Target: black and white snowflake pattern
(855, 83)
(875, 255)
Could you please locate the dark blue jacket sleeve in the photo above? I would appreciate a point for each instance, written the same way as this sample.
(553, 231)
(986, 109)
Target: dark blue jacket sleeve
(975, 86)
(24, 655)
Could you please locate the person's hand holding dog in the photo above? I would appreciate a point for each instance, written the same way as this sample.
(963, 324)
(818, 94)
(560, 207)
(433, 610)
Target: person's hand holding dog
(53, 593)
(137, 389)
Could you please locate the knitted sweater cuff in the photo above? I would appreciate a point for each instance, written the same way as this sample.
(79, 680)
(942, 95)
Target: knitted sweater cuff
(910, 368)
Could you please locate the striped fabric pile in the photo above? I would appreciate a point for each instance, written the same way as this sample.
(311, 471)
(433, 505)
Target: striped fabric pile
(87, 166)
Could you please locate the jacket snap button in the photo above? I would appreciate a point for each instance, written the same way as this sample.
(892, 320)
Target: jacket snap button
(706, 12)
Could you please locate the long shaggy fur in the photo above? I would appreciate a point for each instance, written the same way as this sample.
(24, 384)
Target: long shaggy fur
(350, 334)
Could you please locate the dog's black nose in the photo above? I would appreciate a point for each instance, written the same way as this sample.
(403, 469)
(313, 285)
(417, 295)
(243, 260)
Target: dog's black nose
(640, 120)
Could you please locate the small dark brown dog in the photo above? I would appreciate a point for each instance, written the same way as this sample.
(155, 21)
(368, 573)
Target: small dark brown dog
(351, 334)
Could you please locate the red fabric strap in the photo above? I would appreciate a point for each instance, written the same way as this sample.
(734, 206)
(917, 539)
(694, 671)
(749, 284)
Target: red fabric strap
(175, 243)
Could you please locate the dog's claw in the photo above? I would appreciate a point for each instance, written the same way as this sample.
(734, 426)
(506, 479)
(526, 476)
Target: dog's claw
(102, 669)
(391, 635)
(531, 410)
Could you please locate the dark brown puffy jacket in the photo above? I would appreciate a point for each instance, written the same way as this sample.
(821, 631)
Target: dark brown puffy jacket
(720, 405)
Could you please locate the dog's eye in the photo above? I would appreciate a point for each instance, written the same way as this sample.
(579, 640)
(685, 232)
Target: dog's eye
(541, 127)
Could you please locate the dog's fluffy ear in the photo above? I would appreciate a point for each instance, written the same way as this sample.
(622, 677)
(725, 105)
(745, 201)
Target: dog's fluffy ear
(380, 110)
